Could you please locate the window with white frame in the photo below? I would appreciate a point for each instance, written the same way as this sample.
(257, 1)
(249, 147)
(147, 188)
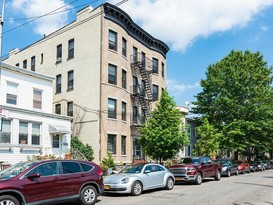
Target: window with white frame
(36, 133)
(11, 93)
(71, 48)
(113, 40)
(59, 53)
(70, 109)
(23, 133)
(112, 74)
(112, 108)
(37, 99)
(70, 80)
(5, 133)
(59, 83)
(155, 65)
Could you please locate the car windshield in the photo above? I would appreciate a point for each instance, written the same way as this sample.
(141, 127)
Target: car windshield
(15, 170)
(189, 160)
(132, 169)
(223, 162)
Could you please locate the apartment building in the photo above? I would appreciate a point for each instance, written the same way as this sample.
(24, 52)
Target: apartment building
(109, 75)
(27, 125)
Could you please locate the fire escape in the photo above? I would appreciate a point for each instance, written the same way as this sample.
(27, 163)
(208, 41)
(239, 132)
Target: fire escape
(142, 92)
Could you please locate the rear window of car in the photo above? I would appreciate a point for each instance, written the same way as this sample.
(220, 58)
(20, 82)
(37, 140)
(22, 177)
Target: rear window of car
(86, 167)
(70, 167)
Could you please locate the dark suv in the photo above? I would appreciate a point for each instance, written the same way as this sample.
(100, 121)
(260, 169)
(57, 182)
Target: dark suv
(229, 167)
(51, 181)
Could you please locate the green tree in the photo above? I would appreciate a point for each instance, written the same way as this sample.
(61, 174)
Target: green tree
(237, 100)
(163, 135)
(208, 140)
(85, 149)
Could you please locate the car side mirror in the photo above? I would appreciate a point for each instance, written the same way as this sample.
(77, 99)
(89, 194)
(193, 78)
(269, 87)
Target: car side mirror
(147, 171)
(34, 175)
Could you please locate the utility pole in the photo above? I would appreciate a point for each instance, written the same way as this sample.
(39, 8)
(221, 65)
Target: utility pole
(1, 29)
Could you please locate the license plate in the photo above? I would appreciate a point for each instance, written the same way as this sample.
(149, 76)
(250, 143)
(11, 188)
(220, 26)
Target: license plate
(178, 178)
(106, 187)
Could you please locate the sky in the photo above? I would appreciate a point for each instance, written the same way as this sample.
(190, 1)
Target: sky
(198, 32)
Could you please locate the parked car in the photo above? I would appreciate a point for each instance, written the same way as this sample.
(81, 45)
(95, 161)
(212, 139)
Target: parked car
(267, 164)
(260, 165)
(243, 166)
(253, 166)
(271, 162)
(194, 169)
(51, 181)
(229, 167)
(139, 177)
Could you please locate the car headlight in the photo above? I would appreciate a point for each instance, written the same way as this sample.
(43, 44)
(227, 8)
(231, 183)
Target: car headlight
(192, 169)
(224, 168)
(125, 180)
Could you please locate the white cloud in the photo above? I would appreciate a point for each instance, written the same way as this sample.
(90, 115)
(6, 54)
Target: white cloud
(180, 23)
(34, 8)
(174, 87)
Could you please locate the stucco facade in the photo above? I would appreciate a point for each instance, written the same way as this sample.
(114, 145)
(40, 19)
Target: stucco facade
(109, 53)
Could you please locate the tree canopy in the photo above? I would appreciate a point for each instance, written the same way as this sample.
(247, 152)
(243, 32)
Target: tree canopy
(163, 135)
(237, 100)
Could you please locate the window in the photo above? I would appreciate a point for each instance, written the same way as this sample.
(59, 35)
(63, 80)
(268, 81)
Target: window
(155, 65)
(112, 40)
(5, 133)
(70, 167)
(123, 145)
(124, 47)
(37, 99)
(163, 70)
(134, 54)
(59, 83)
(111, 145)
(143, 84)
(135, 114)
(112, 74)
(36, 133)
(42, 58)
(112, 107)
(58, 109)
(25, 64)
(135, 85)
(143, 58)
(56, 141)
(70, 109)
(71, 48)
(47, 169)
(32, 63)
(11, 93)
(59, 54)
(123, 111)
(17, 64)
(155, 92)
(23, 133)
(70, 80)
(123, 79)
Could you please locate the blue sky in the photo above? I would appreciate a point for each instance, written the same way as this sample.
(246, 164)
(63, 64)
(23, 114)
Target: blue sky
(198, 32)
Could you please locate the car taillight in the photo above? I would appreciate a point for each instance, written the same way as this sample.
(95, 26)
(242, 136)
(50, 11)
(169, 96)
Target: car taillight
(100, 171)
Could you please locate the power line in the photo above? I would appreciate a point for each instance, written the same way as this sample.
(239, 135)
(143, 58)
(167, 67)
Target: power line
(39, 17)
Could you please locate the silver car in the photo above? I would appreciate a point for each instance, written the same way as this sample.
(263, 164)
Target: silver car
(139, 177)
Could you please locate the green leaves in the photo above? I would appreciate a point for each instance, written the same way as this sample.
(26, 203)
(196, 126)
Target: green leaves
(163, 135)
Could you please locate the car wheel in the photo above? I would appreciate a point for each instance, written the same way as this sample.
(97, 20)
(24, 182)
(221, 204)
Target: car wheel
(169, 183)
(249, 171)
(237, 172)
(136, 188)
(198, 179)
(10, 200)
(217, 177)
(228, 173)
(88, 195)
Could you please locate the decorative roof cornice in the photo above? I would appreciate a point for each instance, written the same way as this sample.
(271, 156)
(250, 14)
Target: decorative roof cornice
(118, 16)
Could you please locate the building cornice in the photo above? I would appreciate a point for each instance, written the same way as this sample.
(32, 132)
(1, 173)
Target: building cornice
(121, 18)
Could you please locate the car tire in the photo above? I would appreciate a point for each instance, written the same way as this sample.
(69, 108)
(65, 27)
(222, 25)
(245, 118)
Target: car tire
(136, 188)
(7, 199)
(169, 183)
(198, 179)
(88, 195)
(237, 172)
(228, 173)
(217, 177)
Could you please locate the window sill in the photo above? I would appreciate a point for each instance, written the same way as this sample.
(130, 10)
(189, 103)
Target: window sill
(69, 90)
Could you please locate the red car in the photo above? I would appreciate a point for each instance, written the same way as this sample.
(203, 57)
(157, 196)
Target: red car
(243, 166)
(51, 181)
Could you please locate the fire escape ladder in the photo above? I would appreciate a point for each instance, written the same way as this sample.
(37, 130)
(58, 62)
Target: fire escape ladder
(146, 78)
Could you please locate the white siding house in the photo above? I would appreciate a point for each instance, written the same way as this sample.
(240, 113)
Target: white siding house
(27, 125)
